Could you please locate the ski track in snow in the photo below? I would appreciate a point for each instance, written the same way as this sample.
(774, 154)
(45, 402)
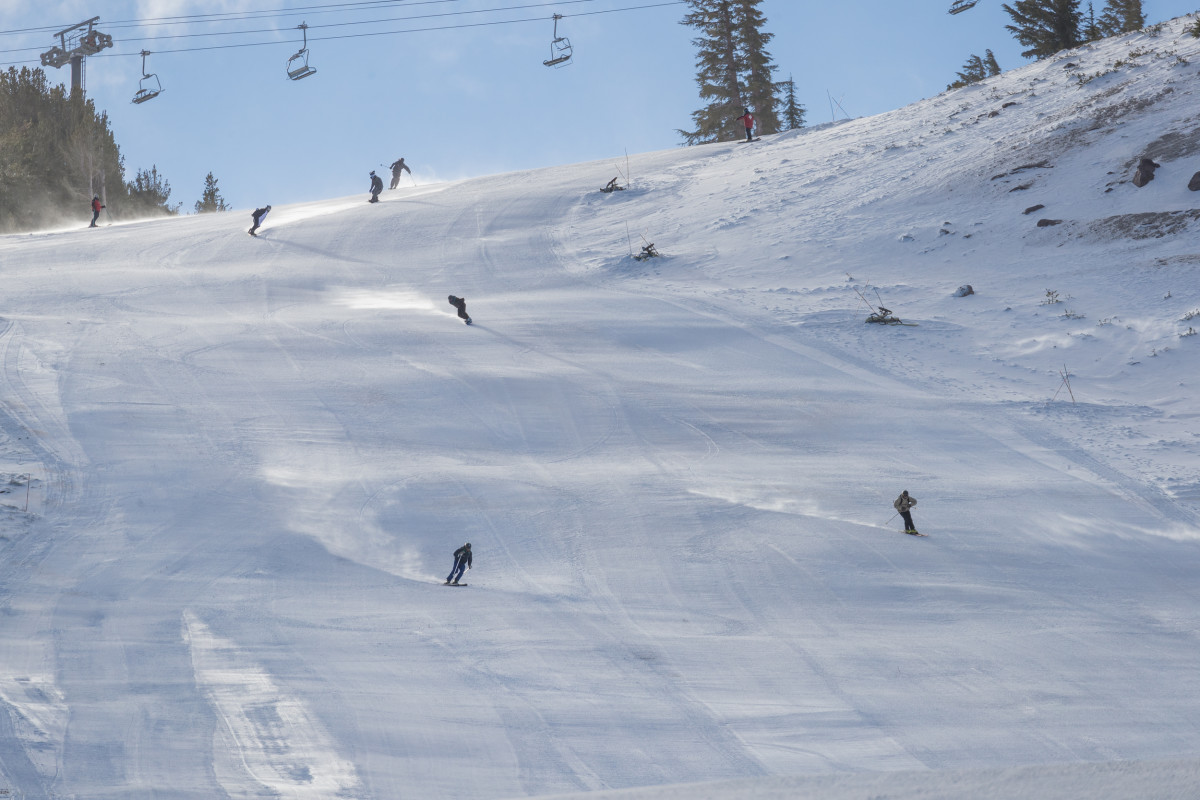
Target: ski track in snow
(252, 458)
(266, 740)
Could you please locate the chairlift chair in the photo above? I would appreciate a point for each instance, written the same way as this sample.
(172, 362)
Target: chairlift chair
(560, 48)
(297, 65)
(149, 87)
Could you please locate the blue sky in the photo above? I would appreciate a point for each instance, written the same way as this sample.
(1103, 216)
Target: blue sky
(472, 100)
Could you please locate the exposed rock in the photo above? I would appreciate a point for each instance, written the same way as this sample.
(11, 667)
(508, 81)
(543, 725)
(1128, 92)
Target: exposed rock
(964, 290)
(1148, 225)
(1022, 168)
(1046, 223)
(1194, 183)
(1032, 209)
(1145, 172)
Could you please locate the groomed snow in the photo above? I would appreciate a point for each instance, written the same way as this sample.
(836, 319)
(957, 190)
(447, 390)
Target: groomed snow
(250, 461)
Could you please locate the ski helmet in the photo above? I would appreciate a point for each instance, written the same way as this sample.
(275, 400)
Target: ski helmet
(372, 172)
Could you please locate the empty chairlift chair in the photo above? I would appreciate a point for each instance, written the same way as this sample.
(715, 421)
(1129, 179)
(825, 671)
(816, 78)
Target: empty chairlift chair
(149, 87)
(560, 48)
(297, 65)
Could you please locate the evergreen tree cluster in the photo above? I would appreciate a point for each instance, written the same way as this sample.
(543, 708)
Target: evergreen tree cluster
(976, 69)
(57, 152)
(1047, 26)
(735, 71)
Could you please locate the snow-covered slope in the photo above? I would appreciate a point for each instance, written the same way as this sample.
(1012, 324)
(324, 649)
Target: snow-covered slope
(250, 461)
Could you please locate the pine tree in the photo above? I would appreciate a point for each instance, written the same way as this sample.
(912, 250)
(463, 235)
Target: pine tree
(1090, 30)
(990, 65)
(1045, 26)
(149, 192)
(1122, 16)
(211, 200)
(793, 112)
(734, 69)
(976, 69)
(758, 75)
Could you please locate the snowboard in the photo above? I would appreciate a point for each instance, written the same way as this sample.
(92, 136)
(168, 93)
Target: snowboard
(455, 584)
(755, 139)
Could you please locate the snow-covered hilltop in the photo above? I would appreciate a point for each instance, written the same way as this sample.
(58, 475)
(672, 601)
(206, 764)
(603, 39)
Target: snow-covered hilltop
(236, 469)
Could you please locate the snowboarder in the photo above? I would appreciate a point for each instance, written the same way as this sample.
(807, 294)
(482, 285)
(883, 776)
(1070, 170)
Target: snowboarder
(397, 168)
(461, 304)
(462, 561)
(258, 216)
(376, 187)
(96, 206)
(903, 504)
(748, 120)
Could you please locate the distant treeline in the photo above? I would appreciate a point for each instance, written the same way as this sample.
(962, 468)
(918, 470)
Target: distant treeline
(57, 152)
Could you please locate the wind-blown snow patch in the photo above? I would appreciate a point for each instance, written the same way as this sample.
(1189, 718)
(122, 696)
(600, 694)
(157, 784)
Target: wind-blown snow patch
(385, 300)
(268, 740)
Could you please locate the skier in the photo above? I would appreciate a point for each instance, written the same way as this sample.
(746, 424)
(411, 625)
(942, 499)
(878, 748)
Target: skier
(748, 120)
(903, 504)
(96, 206)
(376, 187)
(397, 168)
(461, 304)
(462, 561)
(258, 216)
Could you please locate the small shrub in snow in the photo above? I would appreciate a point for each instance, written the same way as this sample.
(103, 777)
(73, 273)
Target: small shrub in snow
(1051, 298)
(1190, 315)
(1188, 332)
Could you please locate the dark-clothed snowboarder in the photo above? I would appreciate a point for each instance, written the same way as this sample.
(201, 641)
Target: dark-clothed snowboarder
(904, 504)
(461, 304)
(397, 168)
(747, 119)
(96, 206)
(258, 216)
(462, 561)
(376, 187)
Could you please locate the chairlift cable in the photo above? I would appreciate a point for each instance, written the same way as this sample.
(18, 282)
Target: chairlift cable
(460, 26)
(234, 16)
(209, 19)
(360, 22)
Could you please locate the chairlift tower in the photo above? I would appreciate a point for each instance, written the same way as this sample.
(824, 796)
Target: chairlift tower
(74, 43)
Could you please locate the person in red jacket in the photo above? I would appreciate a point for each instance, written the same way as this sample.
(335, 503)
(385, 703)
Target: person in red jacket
(748, 119)
(96, 206)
